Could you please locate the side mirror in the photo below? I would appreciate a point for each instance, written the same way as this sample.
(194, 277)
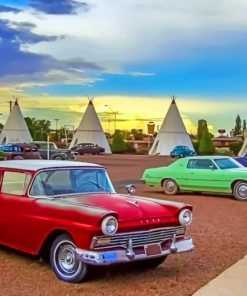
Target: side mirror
(130, 188)
(212, 167)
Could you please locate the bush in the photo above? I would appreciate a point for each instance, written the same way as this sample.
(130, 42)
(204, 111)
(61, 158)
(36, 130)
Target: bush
(235, 147)
(118, 145)
(2, 155)
(206, 145)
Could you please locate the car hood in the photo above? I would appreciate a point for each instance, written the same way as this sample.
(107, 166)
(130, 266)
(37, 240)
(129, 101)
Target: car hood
(128, 207)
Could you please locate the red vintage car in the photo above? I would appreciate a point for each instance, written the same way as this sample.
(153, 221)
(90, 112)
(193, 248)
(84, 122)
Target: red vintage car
(69, 212)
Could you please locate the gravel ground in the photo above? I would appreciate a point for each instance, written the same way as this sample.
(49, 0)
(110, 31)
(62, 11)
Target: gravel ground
(218, 229)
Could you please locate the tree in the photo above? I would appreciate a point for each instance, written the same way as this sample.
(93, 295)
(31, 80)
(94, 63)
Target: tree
(202, 124)
(137, 134)
(237, 129)
(206, 145)
(244, 125)
(118, 144)
(38, 128)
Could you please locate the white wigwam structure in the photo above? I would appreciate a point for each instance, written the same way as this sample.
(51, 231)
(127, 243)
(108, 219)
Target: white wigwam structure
(172, 133)
(15, 129)
(90, 129)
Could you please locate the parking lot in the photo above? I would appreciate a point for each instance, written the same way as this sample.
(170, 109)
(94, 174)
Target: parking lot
(218, 229)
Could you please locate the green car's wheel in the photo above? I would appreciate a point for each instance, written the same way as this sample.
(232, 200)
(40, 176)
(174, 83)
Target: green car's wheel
(170, 187)
(240, 190)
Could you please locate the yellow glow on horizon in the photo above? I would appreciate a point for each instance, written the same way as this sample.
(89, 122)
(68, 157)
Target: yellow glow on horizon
(131, 111)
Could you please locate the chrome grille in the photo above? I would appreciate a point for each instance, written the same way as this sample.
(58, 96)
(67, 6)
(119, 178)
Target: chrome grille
(139, 238)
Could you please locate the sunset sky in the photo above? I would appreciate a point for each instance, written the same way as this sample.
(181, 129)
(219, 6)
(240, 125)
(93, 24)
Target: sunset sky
(130, 55)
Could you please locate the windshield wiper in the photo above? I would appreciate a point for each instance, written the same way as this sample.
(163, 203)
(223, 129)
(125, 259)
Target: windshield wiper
(98, 185)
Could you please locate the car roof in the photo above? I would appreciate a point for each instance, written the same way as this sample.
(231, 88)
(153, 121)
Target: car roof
(34, 165)
(209, 157)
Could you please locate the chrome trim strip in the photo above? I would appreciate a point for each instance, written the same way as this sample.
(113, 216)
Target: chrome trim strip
(128, 255)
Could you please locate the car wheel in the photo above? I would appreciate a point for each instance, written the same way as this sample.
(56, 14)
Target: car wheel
(64, 262)
(240, 190)
(57, 157)
(150, 263)
(170, 187)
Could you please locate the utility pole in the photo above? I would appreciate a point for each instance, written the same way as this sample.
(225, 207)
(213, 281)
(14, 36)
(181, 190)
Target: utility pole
(115, 117)
(10, 105)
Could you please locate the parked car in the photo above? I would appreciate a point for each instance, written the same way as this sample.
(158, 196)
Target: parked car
(182, 151)
(70, 213)
(20, 151)
(218, 174)
(88, 148)
(242, 160)
(51, 151)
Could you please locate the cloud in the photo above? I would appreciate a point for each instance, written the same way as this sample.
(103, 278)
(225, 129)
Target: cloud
(95, 37)
(58, 6)
(20, 67)
(4, 8)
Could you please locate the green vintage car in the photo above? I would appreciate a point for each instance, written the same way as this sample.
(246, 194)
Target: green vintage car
(218, 174)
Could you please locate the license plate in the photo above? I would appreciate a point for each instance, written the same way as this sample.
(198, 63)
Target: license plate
(153, 250)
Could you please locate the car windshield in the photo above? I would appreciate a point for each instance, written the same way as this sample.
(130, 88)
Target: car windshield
(71, 181)
(227, 163)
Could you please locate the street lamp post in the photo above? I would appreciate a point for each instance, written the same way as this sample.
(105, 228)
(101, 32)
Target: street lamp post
(115, 116)
(56, 119)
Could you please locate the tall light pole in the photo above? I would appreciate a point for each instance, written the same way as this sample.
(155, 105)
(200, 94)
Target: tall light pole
(57, 136)
(115, 116)
(56, 119)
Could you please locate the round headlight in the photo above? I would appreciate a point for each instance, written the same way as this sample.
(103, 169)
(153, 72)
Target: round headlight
(185, 217)
(109, 225)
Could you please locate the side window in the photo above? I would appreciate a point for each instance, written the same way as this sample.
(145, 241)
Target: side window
(200, 164)
(192, 164)
(60, 178)
(15, 183)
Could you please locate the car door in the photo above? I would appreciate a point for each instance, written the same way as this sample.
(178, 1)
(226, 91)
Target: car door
(17, 229)
(203, 175)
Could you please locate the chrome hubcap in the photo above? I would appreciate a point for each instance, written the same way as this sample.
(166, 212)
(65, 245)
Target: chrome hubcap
(242, 191)
(67, 260)
(170, 186)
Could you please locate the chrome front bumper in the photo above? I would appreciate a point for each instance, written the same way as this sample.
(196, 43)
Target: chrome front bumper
(128, 254)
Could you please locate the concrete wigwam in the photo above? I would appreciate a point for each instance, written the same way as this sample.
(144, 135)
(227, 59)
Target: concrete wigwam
(15, 129)
(172, 133)
(90, 129)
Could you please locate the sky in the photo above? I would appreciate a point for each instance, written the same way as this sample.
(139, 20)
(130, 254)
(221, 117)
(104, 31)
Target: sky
(131, 56)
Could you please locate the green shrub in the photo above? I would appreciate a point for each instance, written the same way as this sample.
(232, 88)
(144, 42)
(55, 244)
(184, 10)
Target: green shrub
(235, 147)
(118, 145)
(2, 155)
(206, 145)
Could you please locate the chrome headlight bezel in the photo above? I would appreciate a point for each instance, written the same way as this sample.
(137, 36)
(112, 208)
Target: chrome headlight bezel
(185, 217)
(109, 225)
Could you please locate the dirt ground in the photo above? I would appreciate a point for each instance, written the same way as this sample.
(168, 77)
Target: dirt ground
(218, 229)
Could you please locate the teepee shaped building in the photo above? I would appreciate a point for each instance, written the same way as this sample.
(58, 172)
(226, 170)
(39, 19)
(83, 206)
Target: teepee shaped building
(172, 133)
(90, 129)
(15, 129)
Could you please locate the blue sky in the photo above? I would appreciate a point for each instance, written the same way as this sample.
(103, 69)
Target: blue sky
(60, 51)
